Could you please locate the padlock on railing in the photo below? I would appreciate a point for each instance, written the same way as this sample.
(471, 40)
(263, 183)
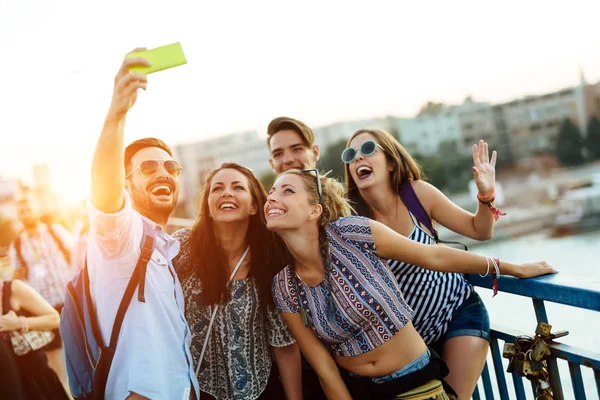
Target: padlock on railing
(543, 329)
(527, 357)
(509, 350)
(540, 351)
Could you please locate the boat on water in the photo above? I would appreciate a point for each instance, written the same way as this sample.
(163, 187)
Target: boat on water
(579, 210)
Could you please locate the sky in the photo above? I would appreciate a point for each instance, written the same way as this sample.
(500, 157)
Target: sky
(249, 62)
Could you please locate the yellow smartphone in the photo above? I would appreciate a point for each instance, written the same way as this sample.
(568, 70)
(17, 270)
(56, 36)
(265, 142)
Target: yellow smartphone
(160, 58)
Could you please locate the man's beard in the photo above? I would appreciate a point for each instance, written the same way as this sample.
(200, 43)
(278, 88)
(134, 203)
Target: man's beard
(156, 211)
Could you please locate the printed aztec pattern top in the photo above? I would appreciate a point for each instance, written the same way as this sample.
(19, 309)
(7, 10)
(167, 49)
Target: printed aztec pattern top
(238, 360)
(368, 307)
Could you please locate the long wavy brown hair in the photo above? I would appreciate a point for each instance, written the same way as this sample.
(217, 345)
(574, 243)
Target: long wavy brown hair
(268, 254)
(405, 168)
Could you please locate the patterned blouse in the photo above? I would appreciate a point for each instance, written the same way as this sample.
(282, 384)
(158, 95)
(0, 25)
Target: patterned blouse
(238, 360)
(368, 307)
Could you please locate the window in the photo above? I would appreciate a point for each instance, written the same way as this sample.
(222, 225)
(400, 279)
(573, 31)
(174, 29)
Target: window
(535, 127)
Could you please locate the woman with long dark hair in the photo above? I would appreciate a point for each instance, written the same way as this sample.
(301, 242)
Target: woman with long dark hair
(383, 182)
(343, 304)
(226, 265)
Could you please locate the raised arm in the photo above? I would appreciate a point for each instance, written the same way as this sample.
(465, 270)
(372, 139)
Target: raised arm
(392, 245)
(479, 226)
(44, 316)
(318, 357)
(108, 171)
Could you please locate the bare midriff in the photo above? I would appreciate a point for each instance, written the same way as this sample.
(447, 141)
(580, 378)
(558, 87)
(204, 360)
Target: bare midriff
(404, 347)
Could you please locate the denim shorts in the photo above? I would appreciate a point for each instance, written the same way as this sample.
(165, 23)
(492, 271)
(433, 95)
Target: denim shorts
(412, 366)
(470, 319)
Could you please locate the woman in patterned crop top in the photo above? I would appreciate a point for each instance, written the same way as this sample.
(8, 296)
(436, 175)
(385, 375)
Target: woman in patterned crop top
(247, 332)
(449, 314)
(342, 303)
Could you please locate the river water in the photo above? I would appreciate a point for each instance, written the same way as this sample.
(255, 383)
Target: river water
(576, 256)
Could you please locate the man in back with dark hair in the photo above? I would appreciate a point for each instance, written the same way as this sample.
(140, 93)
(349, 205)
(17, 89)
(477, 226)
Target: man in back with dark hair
(134, 190)
(291, 144)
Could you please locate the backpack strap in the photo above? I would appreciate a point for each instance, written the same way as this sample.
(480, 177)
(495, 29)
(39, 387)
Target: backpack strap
(59, 243)
(136, 279)
(412, 202)
(90, 305)
(6, 292)
(415, 207)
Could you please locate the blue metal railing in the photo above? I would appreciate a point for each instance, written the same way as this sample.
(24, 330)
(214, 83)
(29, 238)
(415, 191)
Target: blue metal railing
(560, 289)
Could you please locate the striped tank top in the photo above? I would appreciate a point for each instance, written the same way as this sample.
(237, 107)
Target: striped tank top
(434, 296)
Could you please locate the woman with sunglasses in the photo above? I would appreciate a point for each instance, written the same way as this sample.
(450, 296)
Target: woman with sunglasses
(449, 314)
(226, 265)
(343, 304)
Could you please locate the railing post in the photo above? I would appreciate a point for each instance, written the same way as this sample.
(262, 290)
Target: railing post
(577, 381)
(597, 379)
(540, 314)
(487, 383)
(519, 388)
(499, 369)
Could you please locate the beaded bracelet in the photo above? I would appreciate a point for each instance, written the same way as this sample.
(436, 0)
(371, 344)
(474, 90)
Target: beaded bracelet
(495, 275)
(488, 200)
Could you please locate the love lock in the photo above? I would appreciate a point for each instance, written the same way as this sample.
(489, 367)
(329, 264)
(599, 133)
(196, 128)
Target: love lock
(536, 367)
(540, 351)
(544, 384)
(529, 371)
(509, 350)
(518, 366)
(558, 334)
(511, 366)
(543, 329)
(545, 395)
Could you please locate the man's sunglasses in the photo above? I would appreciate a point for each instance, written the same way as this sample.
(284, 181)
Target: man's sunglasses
(149, 167)
(367, 149)
(319, 189)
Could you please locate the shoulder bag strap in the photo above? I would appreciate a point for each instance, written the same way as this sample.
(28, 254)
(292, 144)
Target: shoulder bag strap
(214, 313)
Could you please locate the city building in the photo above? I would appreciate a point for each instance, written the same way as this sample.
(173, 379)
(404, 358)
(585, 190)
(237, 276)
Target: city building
(329, 134)
(518, 129)
(198, 158)
(533, 122)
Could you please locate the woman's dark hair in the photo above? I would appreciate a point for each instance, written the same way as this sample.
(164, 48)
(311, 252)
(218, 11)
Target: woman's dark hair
(268, 254)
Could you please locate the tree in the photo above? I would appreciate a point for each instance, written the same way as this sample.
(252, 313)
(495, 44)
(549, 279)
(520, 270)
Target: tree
(593, 139)
(431, 107)
(267, 179)
(569, 145)
(331, 160)
(448, 171)
(395, 132)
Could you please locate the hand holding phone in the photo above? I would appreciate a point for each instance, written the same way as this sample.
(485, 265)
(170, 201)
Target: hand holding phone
(160, 58)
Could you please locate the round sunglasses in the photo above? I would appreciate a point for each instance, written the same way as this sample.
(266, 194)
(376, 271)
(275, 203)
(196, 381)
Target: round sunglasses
(367, 149)
(149, 167)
